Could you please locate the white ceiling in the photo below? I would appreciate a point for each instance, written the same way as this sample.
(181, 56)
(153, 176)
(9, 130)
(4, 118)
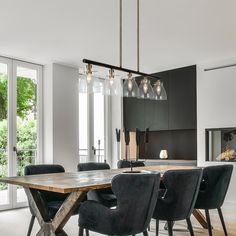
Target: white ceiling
(173, 32)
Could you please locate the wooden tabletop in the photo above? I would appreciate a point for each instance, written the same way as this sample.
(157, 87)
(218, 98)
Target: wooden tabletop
(79, 181)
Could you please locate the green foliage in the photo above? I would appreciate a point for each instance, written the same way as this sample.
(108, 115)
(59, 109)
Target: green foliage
(26, 136)
(3, 97)
(26, 143)
(26, 96)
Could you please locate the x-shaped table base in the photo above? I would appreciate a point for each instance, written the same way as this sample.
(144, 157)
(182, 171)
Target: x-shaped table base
(55, 226)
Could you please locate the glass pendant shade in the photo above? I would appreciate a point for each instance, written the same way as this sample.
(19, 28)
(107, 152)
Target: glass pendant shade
(97, 85)
(130, 87)
(83, 85)
(113, 87)
(145, 89)
(159, 91)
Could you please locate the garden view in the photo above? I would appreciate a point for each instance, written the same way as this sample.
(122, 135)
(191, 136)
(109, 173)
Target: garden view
(26, 126)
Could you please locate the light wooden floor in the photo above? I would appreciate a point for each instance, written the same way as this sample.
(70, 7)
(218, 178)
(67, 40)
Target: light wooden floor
(15, 222)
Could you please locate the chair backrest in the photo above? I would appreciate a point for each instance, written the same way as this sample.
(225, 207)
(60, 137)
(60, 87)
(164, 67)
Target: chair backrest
(93, 166)
(136, 199)
(127, 164)
(214, 186)
(182, 187)
(47, 169)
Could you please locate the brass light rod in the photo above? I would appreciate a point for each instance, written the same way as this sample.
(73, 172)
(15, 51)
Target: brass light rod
(100, 64)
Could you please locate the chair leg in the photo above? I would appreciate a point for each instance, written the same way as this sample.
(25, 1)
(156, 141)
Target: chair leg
(145, 233)
(166, 225)
(81, 231)
(170, 225)
(157, 227)
(208, 222)
(222, 221)
(87, 232)
(190, 227)
(31, 225)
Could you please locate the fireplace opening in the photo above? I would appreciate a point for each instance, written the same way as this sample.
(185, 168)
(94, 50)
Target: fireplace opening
(221, 144)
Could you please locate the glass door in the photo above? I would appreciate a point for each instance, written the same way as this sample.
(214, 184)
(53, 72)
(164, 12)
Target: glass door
(91, 127)
(21, 126)
(5, 170)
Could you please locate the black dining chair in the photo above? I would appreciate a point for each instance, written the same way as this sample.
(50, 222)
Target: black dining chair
(136, 199)
(104, 196)
(127, 164)
(52, 201)
(213, 189)
(177, 203)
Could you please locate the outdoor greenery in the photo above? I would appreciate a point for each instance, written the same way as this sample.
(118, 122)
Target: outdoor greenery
(26, 124)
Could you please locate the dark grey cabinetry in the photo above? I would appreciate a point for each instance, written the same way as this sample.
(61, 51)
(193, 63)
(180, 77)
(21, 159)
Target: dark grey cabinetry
(182, 99)
(178, 112)
(134, 114)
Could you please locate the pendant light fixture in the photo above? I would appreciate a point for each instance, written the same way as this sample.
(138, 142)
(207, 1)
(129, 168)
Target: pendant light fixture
(145, 89)
(130, 87)
(111, 86)
(159, 91)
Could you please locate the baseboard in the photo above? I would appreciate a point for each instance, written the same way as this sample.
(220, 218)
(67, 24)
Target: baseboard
(229, 205)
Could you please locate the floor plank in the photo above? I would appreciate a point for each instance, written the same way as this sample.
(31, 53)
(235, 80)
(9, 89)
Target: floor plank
(15, 222)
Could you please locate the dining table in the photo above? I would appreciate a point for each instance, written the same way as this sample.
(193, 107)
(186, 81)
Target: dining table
(76, 185)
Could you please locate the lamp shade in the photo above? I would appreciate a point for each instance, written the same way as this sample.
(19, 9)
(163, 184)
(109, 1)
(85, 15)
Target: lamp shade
(130, 87)
(113, 87)
(83, 84)
(145, 89)
(159, 91)
(97, 85)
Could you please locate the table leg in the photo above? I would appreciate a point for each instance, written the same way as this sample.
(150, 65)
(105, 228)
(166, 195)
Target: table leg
(55, 226)
(200, 218)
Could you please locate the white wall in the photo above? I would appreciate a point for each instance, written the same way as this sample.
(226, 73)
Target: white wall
(61, 116)
(48, 115)
(116, 123)
(216, 107)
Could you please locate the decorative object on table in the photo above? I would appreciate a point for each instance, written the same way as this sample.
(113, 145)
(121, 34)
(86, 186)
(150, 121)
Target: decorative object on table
(138, 139)
(127, 140)
(163, 154)
(118, 143)
(109, 85)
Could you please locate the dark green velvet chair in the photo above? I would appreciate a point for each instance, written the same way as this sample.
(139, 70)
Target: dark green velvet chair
(213, 189)
(104, 196)
(52, 201)
(177, 203)
(136, 199)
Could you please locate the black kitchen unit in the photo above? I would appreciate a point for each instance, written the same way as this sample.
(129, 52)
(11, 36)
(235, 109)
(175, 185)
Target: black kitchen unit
(168, 121)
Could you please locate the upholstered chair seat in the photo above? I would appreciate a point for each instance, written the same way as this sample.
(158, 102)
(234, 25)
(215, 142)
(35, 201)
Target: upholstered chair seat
(177, 200)
(136, 199)
(213, 189)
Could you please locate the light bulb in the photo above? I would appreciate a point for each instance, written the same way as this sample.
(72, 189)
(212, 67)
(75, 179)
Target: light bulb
(158, 87)
(111, 76)
(89, 72)
(130, 82)
(145, 86)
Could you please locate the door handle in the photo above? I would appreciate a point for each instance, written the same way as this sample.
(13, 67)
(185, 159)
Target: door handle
(94, 150)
